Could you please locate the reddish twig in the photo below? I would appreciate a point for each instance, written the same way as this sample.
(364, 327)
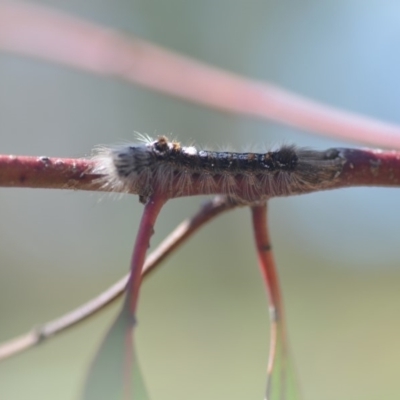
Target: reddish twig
(146, 230)
(366, 167)
(128, 311)
(47, 173)
(53, 36)
(270, 274)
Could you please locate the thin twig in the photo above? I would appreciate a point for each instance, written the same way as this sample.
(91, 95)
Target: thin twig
(48, 173)
(128, 312)
(38, 32)
(182, 232)
(146, 230)
(278, 341)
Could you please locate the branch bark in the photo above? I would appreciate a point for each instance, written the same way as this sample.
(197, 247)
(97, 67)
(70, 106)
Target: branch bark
(358, 167)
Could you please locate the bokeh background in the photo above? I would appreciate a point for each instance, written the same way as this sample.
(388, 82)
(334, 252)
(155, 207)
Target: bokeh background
(203, 319)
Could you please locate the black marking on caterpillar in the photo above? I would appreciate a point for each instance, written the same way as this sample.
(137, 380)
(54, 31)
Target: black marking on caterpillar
(168, 167)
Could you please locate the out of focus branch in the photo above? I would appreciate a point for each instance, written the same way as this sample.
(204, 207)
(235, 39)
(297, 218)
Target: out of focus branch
(53, 36)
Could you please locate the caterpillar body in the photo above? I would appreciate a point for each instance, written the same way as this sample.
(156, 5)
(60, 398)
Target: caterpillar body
(168, 168)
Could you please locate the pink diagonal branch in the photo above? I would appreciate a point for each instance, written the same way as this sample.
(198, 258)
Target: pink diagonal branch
(53, 36)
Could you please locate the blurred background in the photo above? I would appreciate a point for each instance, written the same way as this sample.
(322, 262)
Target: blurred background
(203, 318)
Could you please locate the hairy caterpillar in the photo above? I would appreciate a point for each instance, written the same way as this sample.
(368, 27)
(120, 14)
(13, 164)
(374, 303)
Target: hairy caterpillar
(174, 170)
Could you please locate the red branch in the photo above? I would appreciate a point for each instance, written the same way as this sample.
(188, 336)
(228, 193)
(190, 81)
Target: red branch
(266, 258)
(47, 173)
(142, 243)
(360, 168)
(365, 167)
(278, 341)
(146, 230)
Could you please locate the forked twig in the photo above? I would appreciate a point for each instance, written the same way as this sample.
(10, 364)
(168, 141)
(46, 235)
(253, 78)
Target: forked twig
(182, 232)
(37, 32)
